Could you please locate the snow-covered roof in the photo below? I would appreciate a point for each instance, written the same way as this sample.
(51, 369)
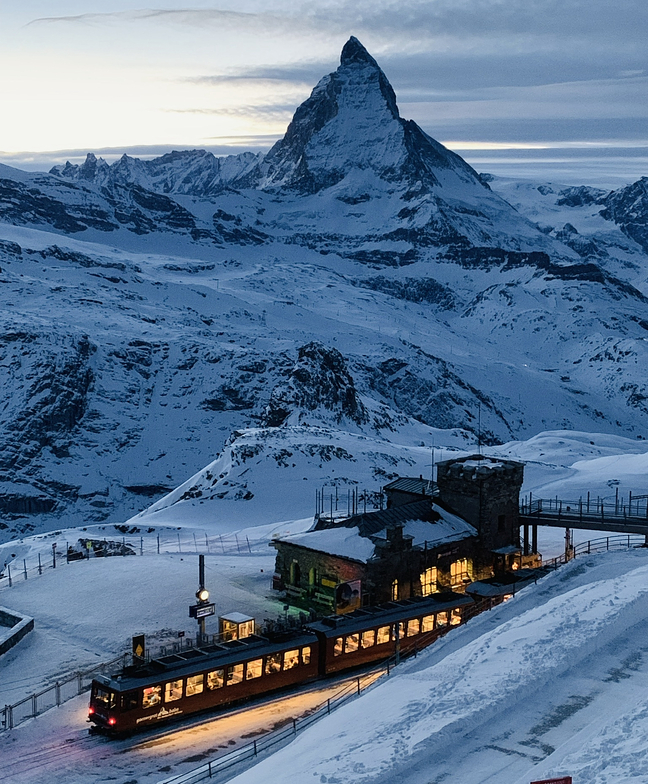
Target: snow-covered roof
(449, 528)
(342, 541)
(359, 543)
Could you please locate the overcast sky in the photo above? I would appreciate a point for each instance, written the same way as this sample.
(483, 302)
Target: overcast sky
(496, 80)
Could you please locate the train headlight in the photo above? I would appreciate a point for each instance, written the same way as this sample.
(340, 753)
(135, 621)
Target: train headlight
(202, 594)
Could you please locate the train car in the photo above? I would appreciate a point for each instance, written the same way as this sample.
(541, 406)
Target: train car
(200, 679)
(376, 633)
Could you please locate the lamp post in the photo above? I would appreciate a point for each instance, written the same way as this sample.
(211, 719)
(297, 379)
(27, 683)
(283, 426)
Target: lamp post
(203, 606)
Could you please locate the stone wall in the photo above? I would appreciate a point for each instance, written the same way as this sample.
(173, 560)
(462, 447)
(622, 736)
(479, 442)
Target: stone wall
(13, 627)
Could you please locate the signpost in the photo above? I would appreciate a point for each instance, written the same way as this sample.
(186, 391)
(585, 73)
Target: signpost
(139, 646)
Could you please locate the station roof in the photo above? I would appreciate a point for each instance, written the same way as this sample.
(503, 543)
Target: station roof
(416, 486)
(427, 523)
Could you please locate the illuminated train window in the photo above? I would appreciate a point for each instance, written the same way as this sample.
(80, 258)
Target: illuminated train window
(195, 685)
(291, 659)
(427, 624)
(234, 674)
(352, 643)
(254, 669)
(455, 618)
(273, 663)
(339, 646)
(173, 690)
(215, 679)
(367, 639)
(152, 697)
(383, 635)
(306, 655)
(413, 627)
(442, 619)
(107, 697)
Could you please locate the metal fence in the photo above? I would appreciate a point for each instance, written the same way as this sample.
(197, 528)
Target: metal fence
(59, 692)
(66, 552)
(603, 545)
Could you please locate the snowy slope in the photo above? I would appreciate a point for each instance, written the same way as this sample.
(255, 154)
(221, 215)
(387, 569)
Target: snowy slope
(553, 682)
(360, 278)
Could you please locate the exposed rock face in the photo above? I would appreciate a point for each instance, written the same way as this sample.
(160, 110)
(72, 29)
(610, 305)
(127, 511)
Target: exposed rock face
(628, 207)
(319, 380)
(150, 308)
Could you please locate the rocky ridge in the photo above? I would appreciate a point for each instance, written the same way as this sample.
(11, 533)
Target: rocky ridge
(359, 277)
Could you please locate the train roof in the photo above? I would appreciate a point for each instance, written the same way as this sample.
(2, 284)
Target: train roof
(195, 660)
(392, 612)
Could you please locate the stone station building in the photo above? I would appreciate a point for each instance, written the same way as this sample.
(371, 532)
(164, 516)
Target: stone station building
(432, 537)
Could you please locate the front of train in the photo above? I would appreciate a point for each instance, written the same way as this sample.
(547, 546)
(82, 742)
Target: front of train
(103, 709)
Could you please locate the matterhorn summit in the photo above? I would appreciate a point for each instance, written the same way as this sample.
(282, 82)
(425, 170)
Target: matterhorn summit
(348, 142)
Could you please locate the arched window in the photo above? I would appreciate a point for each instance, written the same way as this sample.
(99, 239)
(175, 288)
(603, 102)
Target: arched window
(295, 574)
(312, 577)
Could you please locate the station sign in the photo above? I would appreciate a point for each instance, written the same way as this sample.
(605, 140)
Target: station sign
(201, 610)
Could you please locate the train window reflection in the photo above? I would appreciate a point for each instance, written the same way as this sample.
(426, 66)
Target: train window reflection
(215, 679)
(273, 663)
(152, 696)
(339, 646)
(367, 638)
(254, 669)
(234, 674)
(129, 701)
(382, 635)
(173, 690)
(428, 623)
(291, 659)
(195, 685)
(306, 655)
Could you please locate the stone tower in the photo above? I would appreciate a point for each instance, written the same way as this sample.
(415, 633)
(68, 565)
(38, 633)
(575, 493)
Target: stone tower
(485, 491)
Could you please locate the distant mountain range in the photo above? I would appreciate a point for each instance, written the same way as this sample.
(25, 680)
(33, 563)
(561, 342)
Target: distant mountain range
(359, 278)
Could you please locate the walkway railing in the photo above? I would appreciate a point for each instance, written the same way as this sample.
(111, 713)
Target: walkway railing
(603, 545)
(599, 510)
(59, 692)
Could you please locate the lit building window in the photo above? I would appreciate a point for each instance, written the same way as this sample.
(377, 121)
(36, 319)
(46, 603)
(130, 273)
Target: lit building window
(460, 572)
(394, 591)
(429, 581)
